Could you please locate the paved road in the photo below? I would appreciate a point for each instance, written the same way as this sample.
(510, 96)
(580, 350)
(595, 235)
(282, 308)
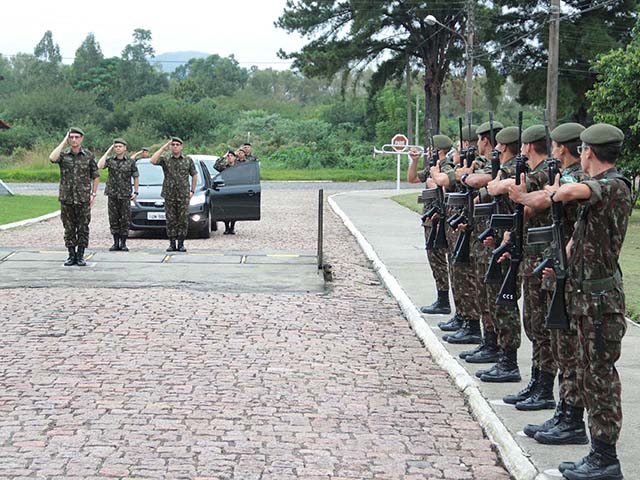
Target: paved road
(172, 383)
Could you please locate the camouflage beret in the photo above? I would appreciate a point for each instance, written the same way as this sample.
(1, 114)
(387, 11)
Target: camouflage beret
(485, 128)
(533, 134)
(76, 130)
(442, 142)
(508, 135)
(602, 133)
(469, 133)
(567, 132)
(120, 140)
(176, 139)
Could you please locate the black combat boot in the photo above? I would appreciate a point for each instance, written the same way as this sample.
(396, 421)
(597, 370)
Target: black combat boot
(530, 429)
(123, 243)
(466, 335)
(172, 245)
(482, 371)
(488, 352)
(570, 430)
(526, 392)
(506, 370)
(71, 259)
(80, 258)
(601, 464)
(441, 306)
(452, 325)
(116, 244)
(542, 396)
(181, 247)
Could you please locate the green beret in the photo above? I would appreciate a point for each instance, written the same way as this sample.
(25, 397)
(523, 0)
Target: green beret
(602, 133)
(567, 132)
(508, 135)
(533, 134)
(486, 128)
(144, 149)
(76, 130)
(120, 140)
(442, 142)
(176, 139)
(469, 133)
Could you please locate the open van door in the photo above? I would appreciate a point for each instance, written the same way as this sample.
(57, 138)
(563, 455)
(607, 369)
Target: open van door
(236, 193)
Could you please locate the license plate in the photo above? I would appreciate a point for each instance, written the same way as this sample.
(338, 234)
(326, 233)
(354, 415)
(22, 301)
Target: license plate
(156, 216)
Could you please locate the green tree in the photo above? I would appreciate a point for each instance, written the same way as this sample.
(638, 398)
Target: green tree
(215, 75)
(46, 50)
(137, 77)
(349, 36)
(88, 56)
(615, 97)
(521, 37)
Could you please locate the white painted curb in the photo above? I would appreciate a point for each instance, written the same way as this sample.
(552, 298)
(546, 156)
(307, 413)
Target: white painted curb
(29, 221)
(514, 459)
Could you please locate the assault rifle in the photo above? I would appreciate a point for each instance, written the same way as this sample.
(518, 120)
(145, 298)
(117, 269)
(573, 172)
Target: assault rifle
(464, 200)
(552, 236)
(437, 237)
(494, 272)
(514, 222)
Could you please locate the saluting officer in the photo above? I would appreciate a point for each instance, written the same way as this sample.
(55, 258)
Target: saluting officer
(79, 179)
(176, 190)
(121, 170)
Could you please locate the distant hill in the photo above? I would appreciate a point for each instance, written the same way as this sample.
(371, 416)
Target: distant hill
(172, 60)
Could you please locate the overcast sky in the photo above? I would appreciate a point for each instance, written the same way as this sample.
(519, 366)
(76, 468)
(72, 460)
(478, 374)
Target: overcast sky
(240, 27)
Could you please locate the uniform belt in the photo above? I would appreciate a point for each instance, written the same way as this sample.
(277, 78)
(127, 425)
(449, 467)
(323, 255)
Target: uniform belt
(602, 284)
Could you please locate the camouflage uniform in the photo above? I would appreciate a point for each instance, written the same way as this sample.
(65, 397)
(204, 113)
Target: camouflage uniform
(119, 191)
(596, 299)
(250, 158)
(505, 319)
(535, 298)
(175, 191)
(76, 174)
(437, 256)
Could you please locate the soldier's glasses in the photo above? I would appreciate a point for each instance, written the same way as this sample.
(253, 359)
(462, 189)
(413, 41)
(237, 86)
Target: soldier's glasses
(583, 147)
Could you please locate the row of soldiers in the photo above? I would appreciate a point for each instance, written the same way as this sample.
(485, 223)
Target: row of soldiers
(80, 177)
(597, 202)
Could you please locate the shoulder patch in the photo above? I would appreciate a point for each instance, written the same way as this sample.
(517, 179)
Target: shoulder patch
(568, 179)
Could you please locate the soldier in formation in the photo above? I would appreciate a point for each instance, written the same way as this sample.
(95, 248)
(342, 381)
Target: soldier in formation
(122, 169)
(79, 179)
(176, 190)
(583, 356)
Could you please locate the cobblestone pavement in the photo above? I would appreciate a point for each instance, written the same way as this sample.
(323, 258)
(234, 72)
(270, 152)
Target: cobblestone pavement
(139, 384)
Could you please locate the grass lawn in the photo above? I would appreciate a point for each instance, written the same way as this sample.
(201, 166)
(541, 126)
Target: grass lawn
(51, 174)
(21, 207)
(629, 258)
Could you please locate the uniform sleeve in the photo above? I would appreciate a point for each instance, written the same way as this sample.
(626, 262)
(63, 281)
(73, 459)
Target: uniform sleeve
(450, 171)
(93, 168)
(192, 167)
(597, 192)
(423, 175)
(134, 169)
(107, 162)
(161, 161)
(59, 159)
(537, 181)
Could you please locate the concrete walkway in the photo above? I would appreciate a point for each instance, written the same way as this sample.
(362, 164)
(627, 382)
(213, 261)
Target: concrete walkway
(395, 235)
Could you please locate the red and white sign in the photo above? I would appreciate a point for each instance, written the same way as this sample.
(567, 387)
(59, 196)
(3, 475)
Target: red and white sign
(399, 142)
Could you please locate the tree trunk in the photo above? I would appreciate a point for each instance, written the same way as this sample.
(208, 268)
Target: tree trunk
(431, 105)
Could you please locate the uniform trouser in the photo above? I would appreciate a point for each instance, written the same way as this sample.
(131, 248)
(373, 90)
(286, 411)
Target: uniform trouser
(533, 318)
(177, 212)
(462, 282)
(506, 320)
(439, 266)
(479, 290)
(75, 220)
(119, 215)
(598, 377)
(565, 349)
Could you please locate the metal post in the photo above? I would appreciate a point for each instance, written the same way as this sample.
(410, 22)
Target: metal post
(552, 67)
(320, 227)
(399, 159)
(415, 137)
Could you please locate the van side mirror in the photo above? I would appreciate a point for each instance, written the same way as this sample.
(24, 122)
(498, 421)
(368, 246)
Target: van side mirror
(216, 184)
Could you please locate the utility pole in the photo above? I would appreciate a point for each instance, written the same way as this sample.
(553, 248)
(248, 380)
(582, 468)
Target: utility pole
(409, 103)
(552, 67)
(468, 48)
